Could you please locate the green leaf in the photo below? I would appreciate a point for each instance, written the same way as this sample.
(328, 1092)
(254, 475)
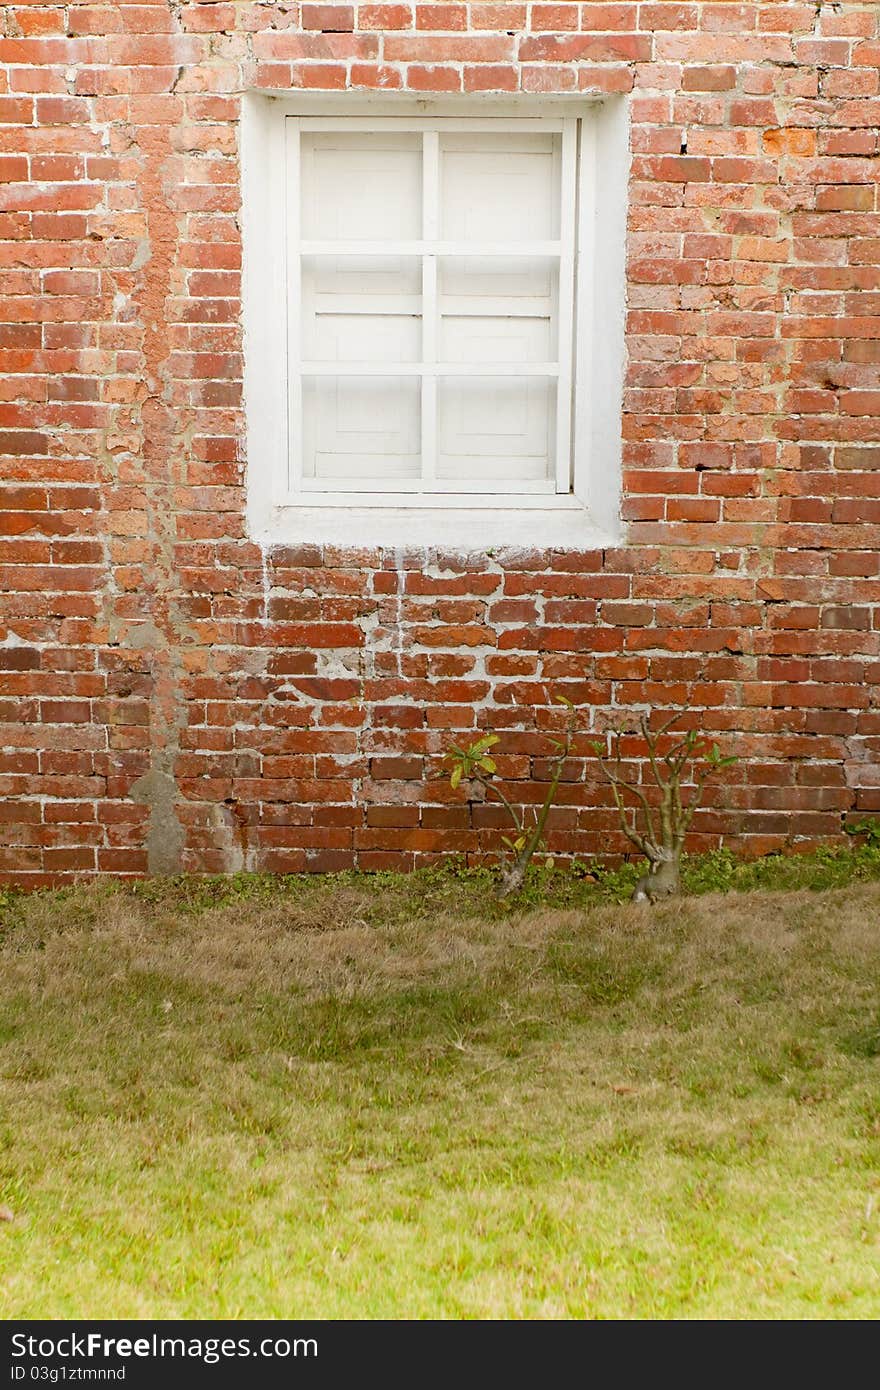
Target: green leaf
(488, 765)
(483, 744)
(456, 777)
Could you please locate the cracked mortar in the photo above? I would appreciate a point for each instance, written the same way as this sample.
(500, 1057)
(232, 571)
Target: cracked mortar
(162, 455)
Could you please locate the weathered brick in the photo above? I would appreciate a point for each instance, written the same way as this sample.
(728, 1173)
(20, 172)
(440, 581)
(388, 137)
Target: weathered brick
(710, 79)
(330, 19)
(309, 692)
(441, 16)
(383, 17)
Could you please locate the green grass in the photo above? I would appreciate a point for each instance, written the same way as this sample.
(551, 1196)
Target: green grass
(394, 1098)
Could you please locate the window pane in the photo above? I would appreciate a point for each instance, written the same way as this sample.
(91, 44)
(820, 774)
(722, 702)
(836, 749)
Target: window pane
(502, 187)
(366, 338)
(361, 186)
(361, 309)
(496, 314)
(364, 275)
(529, 282)
(496, 428)
(472, 339)
(358, 431)
(498, 311)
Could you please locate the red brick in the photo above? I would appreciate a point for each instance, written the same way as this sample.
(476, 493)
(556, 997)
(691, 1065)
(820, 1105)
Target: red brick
(321, 77)
(385, 17)
(448, 48)
(790, 141)
(16, 442)
(308, 693)
(711, 79)
(559, 48)
(551, 18)
(669, 16)
(548, 79)
(505, 16)
(433, 79)
(330, 19)
(491, 78)
(375, 76)
(438, 16)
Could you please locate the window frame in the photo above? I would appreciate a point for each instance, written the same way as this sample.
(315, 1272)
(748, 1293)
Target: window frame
(429, 249)
(587, 515)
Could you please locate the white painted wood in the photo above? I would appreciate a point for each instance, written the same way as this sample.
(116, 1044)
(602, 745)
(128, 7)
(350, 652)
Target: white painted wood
(478, 428)
(460, 305)
(565, 300)
(513, 280)
(586, 327)
(444, 492)
(398, 368)
(430, 231)
(311, 246)
(492, 124)
(362, 294)
(358, 430)
(378, 304)
(294, 308)
(499, 187)
(458, 523)
(356, 179)
(499, 306)
(336, 338)
(429, 376)
(494, 430)
(598, 450)
(518, 342)
(388, 278)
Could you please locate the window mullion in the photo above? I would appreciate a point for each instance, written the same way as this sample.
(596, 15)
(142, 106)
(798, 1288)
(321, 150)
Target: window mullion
(430, 316)
(565, 305)
(294, 308)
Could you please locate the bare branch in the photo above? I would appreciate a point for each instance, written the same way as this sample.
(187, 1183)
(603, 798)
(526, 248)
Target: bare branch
(651, 743)
(644, 846)
(637, 792)
(493, 790)
(515, 876)
(672, 812)
(541, 818)
(688, 813)
(667, 724)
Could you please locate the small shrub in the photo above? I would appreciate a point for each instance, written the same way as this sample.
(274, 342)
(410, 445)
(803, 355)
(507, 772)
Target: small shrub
(659, 831)
(476, 768)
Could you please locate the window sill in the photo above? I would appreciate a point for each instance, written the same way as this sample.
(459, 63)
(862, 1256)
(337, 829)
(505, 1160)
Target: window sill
(558, 523)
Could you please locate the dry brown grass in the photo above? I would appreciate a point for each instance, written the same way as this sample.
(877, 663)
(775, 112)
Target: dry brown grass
(413, 1109)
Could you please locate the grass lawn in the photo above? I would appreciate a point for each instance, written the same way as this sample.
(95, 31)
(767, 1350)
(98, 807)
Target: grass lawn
(394, 1098)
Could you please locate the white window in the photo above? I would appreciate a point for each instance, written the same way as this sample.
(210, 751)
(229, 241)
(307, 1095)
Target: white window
(423, 342)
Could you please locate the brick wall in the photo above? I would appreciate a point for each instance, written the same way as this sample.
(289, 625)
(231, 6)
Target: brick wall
(172, 697)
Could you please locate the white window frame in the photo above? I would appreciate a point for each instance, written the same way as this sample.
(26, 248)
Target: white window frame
(580, 508)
